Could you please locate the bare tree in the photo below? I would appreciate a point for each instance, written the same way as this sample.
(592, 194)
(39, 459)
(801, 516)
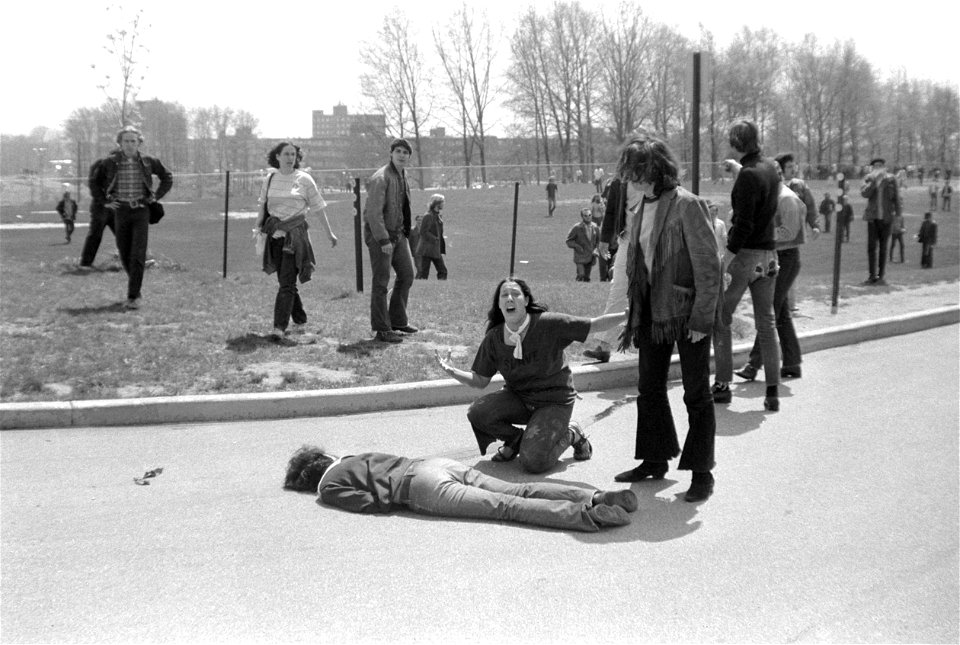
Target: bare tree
(813, 73)
(467, 53)
(525, 74)
(625, 62)
(124, 47)
(396, 80)
(752, 80)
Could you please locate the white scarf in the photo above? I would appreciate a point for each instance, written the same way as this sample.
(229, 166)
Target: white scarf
(515, 337)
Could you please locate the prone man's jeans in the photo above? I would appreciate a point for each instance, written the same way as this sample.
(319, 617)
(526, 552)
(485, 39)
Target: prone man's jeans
(447, 488)
(382, 318)
(757, 270)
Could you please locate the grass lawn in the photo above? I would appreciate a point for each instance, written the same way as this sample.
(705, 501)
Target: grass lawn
(64, 335)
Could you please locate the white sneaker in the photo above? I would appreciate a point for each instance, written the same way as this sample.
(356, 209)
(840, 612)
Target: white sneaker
(133, 303)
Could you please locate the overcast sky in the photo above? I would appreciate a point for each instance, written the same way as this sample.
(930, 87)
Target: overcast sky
(282, 60)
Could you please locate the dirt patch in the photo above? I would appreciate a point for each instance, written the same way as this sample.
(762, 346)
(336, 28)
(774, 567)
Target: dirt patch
(276, 373)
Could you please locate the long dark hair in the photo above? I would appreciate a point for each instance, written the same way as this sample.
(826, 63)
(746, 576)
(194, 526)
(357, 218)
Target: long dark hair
(306, 467)
(272, 156)
(495, 316)
(646, 158)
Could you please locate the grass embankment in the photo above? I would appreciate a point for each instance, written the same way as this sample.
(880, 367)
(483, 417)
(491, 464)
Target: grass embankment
(64, 335)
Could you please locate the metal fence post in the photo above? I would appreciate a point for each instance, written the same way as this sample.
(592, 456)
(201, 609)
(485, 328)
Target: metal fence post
(226, 220)
(357, 241)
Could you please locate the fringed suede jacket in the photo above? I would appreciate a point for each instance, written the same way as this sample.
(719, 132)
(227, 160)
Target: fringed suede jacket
(684, 287)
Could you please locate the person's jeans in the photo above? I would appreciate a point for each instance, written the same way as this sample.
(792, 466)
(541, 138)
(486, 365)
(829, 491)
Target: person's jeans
(496, 416)
(444, 487)
(583, 271)
(894, 239)
(103, 218)
(425, 263)
(382, 318)
(288, 303)
(878, 233)
(926, 256)
(756, 270)
(789, 344)
(656, 433)
(132, 230)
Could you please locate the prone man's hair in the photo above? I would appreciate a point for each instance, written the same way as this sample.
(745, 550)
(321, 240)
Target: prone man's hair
(306, 467)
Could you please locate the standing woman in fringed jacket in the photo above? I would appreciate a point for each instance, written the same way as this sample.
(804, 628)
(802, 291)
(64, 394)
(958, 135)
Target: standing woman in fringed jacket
(675, 287)
(286, 197)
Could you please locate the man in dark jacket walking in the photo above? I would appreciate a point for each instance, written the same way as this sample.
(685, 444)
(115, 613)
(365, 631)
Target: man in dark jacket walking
(386, 228)
(122, 184)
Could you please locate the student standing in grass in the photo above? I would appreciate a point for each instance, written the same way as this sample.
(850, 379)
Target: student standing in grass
(286, 197)
(122, 184)
(583, 238)
(432, 246)
(386, 230)
(525, 343)
(551, 195)
(67, 209)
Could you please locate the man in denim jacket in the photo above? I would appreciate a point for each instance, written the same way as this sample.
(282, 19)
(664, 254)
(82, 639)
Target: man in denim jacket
(386, 227)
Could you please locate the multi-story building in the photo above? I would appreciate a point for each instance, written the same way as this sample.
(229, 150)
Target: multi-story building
(341, 124)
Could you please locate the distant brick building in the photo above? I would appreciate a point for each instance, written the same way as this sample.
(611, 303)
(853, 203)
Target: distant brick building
(342, 124)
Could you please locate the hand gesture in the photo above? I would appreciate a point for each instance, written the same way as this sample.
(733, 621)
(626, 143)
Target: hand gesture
(444, 362)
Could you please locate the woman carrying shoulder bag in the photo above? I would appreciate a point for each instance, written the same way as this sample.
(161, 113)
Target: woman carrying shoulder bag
(288, 194)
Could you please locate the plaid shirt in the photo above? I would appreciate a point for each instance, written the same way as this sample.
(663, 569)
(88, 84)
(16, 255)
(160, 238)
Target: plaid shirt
(130, 180)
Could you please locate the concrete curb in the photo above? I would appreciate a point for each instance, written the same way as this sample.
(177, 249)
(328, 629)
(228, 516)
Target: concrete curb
(279, 405)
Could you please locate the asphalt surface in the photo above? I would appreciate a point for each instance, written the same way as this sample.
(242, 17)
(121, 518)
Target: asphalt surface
(834, 520)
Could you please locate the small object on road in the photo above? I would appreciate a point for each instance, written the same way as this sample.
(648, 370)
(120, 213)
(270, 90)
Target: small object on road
(142, 481)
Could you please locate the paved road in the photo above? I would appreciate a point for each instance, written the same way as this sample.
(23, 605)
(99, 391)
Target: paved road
(834, 520)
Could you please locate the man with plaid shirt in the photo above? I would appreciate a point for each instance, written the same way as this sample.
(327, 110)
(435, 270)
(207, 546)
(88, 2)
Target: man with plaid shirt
(122, 184)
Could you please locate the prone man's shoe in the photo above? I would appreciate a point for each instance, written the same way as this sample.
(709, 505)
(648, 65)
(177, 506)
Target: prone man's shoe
(721, 393)
(625, 499)
(389, 337)
(651, 469)
(604, 515)
(599, 354)
(748, 372)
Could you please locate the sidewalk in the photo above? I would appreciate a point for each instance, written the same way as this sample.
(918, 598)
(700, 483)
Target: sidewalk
(860, 319)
